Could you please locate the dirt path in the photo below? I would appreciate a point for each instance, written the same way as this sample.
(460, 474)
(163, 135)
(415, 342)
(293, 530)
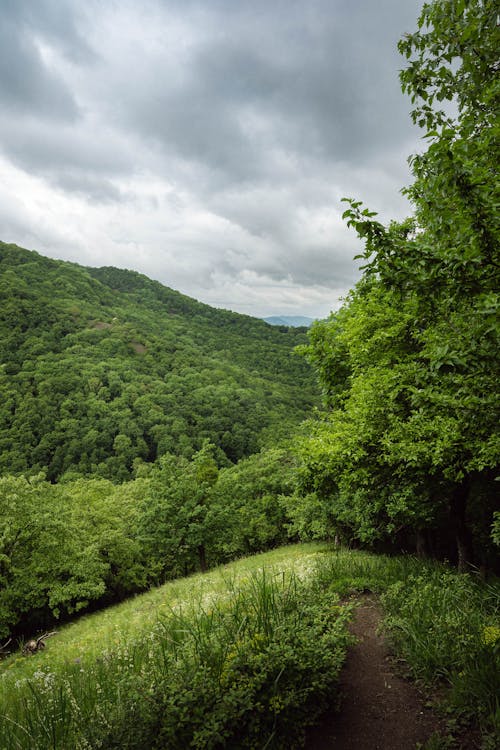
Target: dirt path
(380, 710)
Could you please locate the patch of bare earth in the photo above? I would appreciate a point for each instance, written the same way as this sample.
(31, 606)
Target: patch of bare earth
(380, 710)
(138, 347)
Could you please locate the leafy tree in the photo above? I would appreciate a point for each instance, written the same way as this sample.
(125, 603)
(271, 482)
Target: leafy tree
(412, 442)
(65, 546)
(174, 530)
(47, 567)
(248, 511)
(107, 519)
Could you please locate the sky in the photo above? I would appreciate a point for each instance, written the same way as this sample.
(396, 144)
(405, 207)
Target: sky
(205, 143)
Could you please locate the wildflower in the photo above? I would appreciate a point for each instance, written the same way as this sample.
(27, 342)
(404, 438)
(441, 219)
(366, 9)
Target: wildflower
(491, 634)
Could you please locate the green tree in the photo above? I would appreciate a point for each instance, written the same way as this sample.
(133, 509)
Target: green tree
(248, 510)
(174, 530)
(107, 519)
(47, 566)
(412, 441)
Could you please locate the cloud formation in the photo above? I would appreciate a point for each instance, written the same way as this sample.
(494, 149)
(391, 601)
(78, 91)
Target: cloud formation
(206, 143)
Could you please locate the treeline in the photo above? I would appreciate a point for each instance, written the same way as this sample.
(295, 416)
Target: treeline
(408, 450)
(103, 370)
(89, 542)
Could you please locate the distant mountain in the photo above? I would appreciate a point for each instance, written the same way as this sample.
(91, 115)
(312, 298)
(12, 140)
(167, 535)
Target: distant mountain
(103, 369)
(292, 321)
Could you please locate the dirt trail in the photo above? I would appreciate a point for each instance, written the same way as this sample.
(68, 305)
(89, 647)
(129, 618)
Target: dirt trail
(380, 710)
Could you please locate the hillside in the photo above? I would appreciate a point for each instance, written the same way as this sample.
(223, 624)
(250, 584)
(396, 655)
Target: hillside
(257, 646)
(102, 369)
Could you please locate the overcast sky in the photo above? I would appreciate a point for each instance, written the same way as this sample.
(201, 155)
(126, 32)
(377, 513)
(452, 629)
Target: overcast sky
(205, 143)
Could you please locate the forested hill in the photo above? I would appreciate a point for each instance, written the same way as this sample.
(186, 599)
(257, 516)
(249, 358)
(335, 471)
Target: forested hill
(103, 369)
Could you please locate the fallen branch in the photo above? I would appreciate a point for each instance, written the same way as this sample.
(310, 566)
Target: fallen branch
(38, 644)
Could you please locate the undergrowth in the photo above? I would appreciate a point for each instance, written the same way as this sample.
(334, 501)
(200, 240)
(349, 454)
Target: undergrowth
(446, 625)
(247, 667)
(248, 656)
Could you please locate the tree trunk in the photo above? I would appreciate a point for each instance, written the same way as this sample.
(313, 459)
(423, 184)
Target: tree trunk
(463, 537)
(421, 544)
(202, 558)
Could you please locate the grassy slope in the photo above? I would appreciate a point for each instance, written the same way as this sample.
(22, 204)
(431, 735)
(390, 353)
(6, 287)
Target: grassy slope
(246, 654)
(92, 634)
(445, 624)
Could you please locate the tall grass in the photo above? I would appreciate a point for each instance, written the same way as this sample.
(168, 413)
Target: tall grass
(447, 627)
(357, 571)
(444, 624)
(244, 665)
(246, 655)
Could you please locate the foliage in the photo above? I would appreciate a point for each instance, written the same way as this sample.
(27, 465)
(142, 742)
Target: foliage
(43, 561)
(174, 525)
(408, 367)
(447, 627)
(247, 513)
(495, 532)
(200, 659)
(252, 664)
(63, 546)
(90, 542)
(103, 371)
(194, 515)
(286, 649)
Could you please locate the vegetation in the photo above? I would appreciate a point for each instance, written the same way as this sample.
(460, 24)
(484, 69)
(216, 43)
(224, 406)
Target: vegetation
(66, 546)
(444, 625)
(144, 437)
(408, 451)
(103, 370)
(249, 654)
(247, 662)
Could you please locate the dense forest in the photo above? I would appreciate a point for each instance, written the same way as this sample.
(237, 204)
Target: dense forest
(104, 369)
(125, 408)
(144, 435)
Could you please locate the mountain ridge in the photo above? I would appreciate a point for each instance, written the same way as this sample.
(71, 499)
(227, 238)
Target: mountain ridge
(292, 321)
(104, 369)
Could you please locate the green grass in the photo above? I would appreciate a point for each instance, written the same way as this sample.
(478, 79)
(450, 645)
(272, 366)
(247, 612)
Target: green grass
(246, 652)
(247, 655)
(445, 625)
(90, 635)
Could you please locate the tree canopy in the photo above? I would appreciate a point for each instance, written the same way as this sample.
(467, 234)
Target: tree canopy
(103, 371)
(409, 366)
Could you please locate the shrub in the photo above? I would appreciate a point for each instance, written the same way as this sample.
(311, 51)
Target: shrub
(249, 668)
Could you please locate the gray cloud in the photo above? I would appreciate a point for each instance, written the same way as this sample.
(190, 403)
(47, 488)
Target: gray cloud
(26, 85)
(205, 142)
(315, 84)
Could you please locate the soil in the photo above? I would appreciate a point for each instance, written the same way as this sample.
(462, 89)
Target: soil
(380, 710)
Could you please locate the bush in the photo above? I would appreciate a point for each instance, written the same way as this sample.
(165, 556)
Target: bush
(285, 655)
(250, 669)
